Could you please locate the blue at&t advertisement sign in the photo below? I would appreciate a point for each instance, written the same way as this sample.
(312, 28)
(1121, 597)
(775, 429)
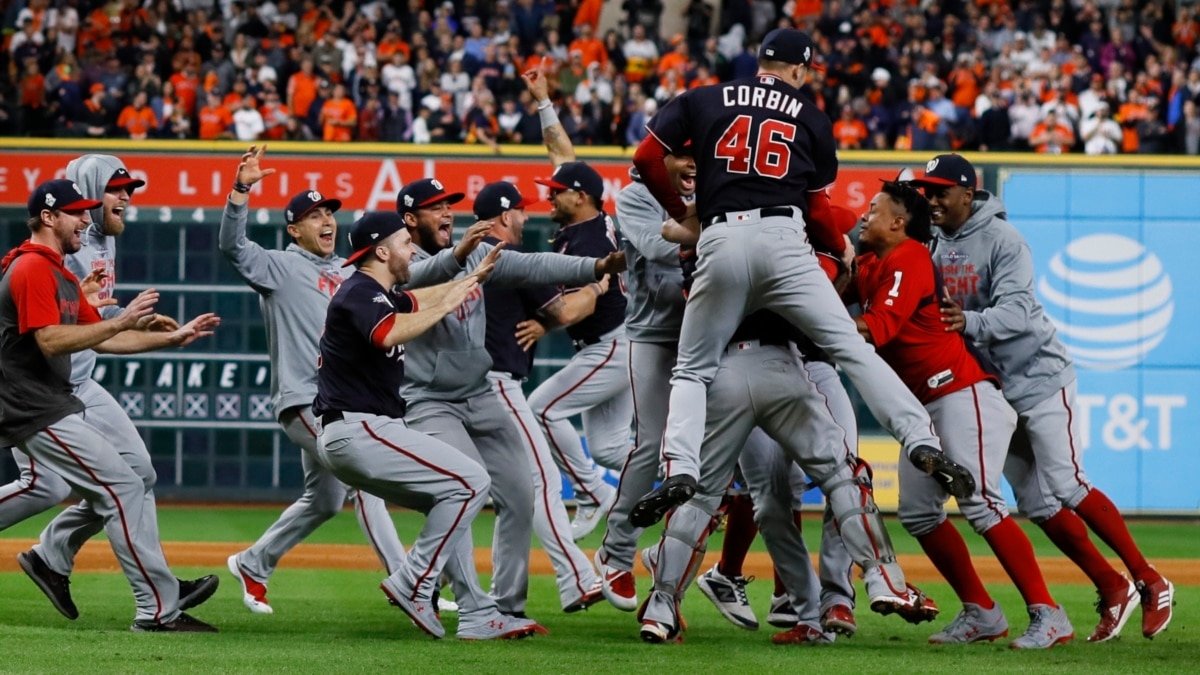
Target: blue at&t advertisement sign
(1114, 262)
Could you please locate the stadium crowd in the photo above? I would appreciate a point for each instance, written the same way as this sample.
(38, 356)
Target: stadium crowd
(1050, 76)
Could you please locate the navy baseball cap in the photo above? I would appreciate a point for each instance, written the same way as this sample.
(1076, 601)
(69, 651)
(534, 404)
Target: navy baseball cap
(122, 179)
(946, 170)
(496, 198)
(789, 46)
(575, 176)
(423, 193)
(59, 195)
(369, 230)
(301, 204)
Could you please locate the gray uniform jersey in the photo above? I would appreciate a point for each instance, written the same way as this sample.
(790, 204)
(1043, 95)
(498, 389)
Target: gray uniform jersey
(654, 283)
(98, 251)
(294, 288)
(449, 362)
(988, 269)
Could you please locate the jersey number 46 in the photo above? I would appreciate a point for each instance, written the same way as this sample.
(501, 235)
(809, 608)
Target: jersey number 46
(769, 154)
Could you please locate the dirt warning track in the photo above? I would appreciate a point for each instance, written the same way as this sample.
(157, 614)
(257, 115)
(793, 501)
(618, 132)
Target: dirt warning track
(98, 557)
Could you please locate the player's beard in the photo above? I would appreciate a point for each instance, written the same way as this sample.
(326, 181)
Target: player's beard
(398, 268)
(114, 225)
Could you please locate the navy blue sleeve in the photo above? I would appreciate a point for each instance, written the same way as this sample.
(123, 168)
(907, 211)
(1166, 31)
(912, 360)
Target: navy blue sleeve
(370, 309)
(671, 124)
(824, 149)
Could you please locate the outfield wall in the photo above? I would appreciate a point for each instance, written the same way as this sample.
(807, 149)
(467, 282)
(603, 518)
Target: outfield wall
(1111, 240)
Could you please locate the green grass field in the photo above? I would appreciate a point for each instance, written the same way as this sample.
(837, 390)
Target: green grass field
(337, 621)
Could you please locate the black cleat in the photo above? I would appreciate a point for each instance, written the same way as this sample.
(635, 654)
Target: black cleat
(56, 586)
(953, 478)
(672, 492)
(194, 593)
(182, 624)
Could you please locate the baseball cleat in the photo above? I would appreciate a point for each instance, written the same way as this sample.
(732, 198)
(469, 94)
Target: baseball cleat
(1115, 608)
(195, 593)
(728, 594)
(782, 614)
(656, 632)
(587, 518)
(617, 586)
(973, 624)
(496, 626)
(913, 606)
(839, 619)
(1048, 626)
(592, 596)
(954, 478)
(182, 624)
(254, 593)
(57, 587)
(1158, 598)
(422, 612)
(672, 492)
(802, 634)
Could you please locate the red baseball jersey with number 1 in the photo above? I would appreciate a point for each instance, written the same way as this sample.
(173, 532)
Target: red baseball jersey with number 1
(900, 303)
(746, 130)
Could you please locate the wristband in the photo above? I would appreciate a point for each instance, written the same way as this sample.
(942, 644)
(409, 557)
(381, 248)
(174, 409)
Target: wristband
(548, 116)
(542, 105)
(240, 187)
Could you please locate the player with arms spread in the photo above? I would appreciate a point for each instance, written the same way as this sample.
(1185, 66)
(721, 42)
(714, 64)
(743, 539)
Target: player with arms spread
(758, 143)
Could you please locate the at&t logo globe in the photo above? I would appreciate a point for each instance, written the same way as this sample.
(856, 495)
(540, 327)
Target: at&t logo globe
(1110, 299)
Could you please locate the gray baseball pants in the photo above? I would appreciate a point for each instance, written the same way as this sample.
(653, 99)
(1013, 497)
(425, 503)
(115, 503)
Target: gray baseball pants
(751, 263)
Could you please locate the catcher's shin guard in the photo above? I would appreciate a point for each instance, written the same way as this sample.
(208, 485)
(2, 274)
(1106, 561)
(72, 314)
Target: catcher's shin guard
(862, 528)
(681, 551)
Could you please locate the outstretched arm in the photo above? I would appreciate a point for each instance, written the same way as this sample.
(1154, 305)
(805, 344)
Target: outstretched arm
(553, 133)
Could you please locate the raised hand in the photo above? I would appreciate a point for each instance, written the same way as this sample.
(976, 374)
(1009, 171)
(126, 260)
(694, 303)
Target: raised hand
(158, 323)
(201, 326)
(470, 241)
(250, 170)
(535, 81)
(92, 285)
(458, 291)
(142, 306)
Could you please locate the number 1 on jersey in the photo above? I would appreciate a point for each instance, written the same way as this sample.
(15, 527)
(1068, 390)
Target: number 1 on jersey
(770, 153)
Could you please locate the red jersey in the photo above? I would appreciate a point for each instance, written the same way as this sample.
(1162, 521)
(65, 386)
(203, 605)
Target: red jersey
(36, 291)
(900, 304)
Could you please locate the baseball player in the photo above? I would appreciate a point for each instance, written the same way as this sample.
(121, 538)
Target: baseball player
(295, 286)
(988, 272)
(897, 288)
(451, 399)
(104, 179)
(44, 318)
(595, 382)
(758, 143)
(365, 440)
(760, 383)
(515, 319)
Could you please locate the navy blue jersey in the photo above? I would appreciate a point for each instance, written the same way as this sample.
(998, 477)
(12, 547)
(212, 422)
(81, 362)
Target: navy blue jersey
(758, 142)
(594, 238)
(354, 373)
(506, 307)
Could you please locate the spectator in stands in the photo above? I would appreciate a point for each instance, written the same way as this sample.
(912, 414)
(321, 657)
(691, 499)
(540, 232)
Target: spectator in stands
(849, 131)
(1153, 136)
(1185, 135)
(641, 56)
(995, 125)
(1052, 136)
(398, 76)
(137, 119)
(1093, 97)
(529, 129)
(423, 126)
(248, 123)
(296, 129)
(1131, 112)
(1101, 135)
(338, 117)
(589, 47)
(215, 119)
(1025, 114)
(636, 132)
(302, 88)
(222, 68)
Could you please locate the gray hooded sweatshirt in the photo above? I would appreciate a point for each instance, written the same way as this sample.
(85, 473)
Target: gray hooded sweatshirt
(654, 284)
(988, 269)
(92, 173)
(294, 288)
(449, 362)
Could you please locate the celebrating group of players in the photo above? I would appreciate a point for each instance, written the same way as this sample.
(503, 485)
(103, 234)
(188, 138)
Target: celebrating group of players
(398, 371)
